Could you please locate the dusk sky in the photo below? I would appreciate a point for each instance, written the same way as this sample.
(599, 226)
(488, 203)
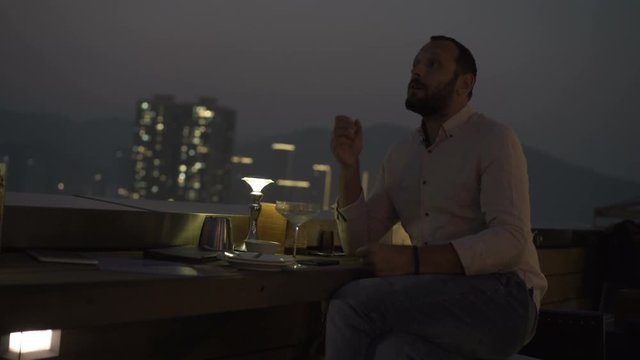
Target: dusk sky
(564, 74)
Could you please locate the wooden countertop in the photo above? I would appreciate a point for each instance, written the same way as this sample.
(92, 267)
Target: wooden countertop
(35, 295)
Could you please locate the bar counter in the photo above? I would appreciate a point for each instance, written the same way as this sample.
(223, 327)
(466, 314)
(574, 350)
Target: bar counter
(38, 295)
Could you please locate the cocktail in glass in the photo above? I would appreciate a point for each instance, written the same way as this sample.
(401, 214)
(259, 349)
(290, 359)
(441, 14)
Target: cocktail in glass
(296, 213)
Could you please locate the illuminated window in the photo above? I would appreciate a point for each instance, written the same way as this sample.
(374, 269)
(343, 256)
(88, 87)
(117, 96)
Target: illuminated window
(192, 152)
(293, 183)
(182, 168)
(135, 196)
(97, 177)
(283, 146)
(197, 166)
(184, 148)
(242, 160)
(156, 162)
(144, 105)
(159, 126)
(61, 186)
(154, 189)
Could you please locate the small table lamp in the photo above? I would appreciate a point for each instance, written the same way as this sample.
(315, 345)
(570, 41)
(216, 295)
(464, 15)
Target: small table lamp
(257, 184)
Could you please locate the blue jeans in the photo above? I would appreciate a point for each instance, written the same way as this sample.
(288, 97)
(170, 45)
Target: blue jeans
(430, 317)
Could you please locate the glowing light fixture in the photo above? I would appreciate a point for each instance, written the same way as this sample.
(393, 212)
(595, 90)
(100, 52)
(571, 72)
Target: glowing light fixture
(283, 146)
(39, 344)
(256, 184)
(293, 183)
(242, 160)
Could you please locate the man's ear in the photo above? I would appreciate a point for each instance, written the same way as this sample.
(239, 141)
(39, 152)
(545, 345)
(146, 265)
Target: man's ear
(465, 84)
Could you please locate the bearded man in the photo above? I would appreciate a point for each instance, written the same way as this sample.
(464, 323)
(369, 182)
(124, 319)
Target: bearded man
(470, 285)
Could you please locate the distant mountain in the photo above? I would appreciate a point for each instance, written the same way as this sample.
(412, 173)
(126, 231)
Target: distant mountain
(44, 150)
(562, 194)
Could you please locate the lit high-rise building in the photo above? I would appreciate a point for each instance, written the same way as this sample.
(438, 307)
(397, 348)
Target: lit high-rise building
(182, 151)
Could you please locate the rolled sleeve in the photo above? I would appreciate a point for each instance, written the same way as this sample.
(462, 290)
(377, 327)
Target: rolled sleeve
(366, 220)
(504, 201)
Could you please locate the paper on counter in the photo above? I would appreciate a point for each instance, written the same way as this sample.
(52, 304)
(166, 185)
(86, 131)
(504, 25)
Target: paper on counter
(145, 266)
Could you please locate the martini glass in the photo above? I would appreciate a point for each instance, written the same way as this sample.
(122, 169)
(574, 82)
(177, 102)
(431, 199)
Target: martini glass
(296, 213)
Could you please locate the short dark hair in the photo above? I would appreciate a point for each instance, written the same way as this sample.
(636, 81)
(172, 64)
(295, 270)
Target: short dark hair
(465, 63)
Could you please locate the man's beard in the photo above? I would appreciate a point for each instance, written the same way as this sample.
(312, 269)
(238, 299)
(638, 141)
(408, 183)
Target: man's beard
(435, 102)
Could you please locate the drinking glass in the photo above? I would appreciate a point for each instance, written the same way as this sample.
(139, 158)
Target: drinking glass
(296, 213)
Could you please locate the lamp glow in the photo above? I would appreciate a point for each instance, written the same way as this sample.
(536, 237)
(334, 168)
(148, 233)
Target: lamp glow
(38, 344)
(30, 341)
(257, 184)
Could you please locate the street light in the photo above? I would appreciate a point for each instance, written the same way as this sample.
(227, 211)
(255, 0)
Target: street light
(327, 183)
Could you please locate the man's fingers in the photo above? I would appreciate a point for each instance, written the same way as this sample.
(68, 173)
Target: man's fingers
(341, 142)
(346, 132)
(343, 119)
(345, 122)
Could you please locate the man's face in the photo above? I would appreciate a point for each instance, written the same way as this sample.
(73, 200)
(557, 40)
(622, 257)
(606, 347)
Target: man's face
(433, 78)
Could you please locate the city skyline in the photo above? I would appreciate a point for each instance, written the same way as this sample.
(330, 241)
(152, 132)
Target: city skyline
(182, 151)
(563, 75)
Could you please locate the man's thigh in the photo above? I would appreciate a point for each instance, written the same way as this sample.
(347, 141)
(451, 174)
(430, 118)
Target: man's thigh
(484, 316)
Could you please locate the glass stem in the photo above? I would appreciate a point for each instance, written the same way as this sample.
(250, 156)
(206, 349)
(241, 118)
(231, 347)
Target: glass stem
(295, 239)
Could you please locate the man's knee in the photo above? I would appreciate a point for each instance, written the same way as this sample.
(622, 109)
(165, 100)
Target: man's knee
(352, 304)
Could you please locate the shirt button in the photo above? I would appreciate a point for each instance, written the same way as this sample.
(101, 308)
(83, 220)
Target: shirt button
(429, 151)
(424, 182)
(426, 214)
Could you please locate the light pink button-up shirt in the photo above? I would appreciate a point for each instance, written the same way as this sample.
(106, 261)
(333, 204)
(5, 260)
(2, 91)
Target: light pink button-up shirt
(469, 188)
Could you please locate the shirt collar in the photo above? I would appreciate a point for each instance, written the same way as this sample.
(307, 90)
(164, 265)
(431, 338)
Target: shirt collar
(456, 121)
(453, 124)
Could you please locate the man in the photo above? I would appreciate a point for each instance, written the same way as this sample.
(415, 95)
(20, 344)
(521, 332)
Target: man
(470, 286)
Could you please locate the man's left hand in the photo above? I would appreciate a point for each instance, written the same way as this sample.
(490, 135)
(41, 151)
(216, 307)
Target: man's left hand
(387, 260)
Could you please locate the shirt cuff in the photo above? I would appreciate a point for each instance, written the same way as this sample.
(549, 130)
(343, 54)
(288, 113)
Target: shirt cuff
(464, 247)
(350, 211)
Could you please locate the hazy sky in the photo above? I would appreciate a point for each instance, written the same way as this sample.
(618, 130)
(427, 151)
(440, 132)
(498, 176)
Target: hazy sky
(563, 74)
